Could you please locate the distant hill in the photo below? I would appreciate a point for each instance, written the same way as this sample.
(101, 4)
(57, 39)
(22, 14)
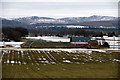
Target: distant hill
(33, 21)
(36, 19)
(97, 23)
(12, 23)
(89, 19)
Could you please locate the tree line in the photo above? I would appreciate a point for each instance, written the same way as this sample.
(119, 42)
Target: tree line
(72, 32)
(14, 34)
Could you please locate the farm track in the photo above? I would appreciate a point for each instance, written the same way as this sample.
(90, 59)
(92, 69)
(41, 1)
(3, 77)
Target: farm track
(36, 63)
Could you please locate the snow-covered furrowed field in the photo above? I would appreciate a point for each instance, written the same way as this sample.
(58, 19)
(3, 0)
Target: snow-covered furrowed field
(56, 57)
(53, 63)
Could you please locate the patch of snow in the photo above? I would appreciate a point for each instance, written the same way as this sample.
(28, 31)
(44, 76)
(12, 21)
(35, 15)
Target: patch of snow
(67, 61)
(75, 58)
(53, 63)
(40, 58)
(24, 63)
(14, 44)
(7, 61)
(44, 58)
(47, 62)
(51, 38)
(12, 61)
(116, 60)
(68, 50)
(72, 26)
(63, 58)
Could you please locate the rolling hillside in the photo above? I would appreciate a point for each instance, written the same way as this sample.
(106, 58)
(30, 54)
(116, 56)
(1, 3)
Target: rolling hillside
(35, 21)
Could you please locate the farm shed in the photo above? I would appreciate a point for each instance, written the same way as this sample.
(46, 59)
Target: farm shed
(83, 42)
(93, 44)
(44, 44)
(80, 39)
(101, 41)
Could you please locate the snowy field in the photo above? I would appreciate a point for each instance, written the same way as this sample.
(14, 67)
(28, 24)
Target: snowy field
(55, 57)
(14, 44)
(51, 38)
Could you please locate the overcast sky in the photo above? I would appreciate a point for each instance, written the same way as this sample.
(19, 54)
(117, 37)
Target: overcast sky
(59, 8)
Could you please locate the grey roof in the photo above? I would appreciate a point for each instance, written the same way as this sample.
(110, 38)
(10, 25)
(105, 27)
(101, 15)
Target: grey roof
(80, 39)
(43, 43)
(31, 42)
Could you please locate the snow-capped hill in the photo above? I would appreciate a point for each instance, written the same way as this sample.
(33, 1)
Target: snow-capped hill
(87, 19)
(101, 18)
(36, 19)
(33, 19)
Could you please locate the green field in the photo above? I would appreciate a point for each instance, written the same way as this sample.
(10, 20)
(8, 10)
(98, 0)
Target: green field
(59, 64)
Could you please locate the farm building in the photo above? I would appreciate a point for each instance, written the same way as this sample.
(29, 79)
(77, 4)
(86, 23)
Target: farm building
(80, 39)
(113, 42)
(75, 42)
(83, 42)
(93, 44)
(44, 44)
